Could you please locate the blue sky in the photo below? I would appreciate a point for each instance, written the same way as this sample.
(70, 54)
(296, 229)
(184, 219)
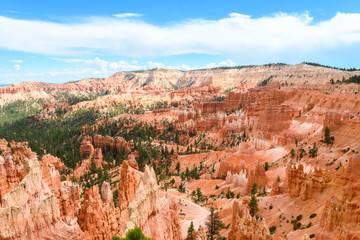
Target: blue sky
(58, 41)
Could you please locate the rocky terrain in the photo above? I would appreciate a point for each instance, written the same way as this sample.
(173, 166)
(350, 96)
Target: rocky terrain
(262, 152)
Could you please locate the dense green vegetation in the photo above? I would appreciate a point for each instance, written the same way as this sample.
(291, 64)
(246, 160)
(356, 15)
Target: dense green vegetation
(59, 137)
(139, 132)
(19, 110)
(96, 176)
(73, 99)
(353, 79)
(326, 66)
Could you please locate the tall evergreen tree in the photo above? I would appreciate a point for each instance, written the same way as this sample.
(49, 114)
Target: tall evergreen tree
(190, 232)
(253, 205)
(327, 137)
(214, 226)
(254, 189)
(199, 194)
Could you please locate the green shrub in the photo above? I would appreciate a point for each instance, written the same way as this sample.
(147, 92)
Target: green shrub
(313, 215)
(266, 166)
(133, 234)
(230, 194)
(272, 230)
(312, 235)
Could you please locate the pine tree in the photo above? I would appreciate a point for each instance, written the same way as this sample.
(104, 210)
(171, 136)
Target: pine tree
(215, 225)
(313, 151)
(254, 189)
(199, 194)
(253, 205)
(327, 137)
(190, 232)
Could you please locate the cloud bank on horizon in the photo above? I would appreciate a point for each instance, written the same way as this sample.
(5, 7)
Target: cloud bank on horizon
(238, 38)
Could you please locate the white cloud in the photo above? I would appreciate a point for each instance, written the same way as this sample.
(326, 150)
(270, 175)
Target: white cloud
(183, 67)
(152, 65)
(227, 63)
(17, 61)
(98, 66)
(127, 15)
(105, 68)
(239, 37)
(17, 67)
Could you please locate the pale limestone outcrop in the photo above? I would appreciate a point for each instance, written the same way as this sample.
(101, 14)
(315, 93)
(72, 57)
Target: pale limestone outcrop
(128, 185)
(106, 193)
(200, 234)
(238, 179)
(141, 203)
(145, 199)
(51, 176)
(246, 227)
(10, 174)
(157, 216)
(31, 210)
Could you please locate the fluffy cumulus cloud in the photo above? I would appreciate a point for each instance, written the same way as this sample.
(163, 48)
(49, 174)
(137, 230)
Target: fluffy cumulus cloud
(290, 37)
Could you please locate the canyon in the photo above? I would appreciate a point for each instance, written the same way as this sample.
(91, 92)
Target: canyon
(160, 149)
